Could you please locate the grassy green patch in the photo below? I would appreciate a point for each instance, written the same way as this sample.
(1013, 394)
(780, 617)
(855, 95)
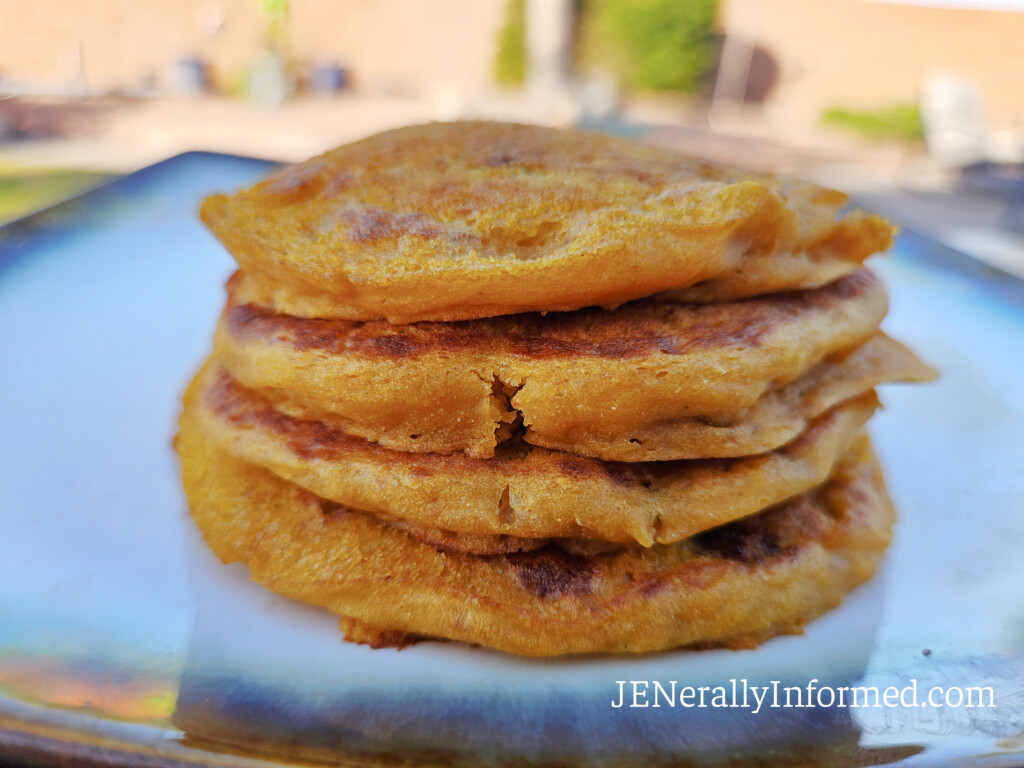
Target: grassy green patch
(658, 45)
(899, 121)
(510, 60)
(23, 190)
(654, 45)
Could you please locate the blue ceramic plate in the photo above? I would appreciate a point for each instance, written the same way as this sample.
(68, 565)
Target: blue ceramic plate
(123, 640)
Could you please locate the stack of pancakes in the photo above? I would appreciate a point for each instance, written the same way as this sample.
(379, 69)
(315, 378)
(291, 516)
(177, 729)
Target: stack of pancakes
(545, 391)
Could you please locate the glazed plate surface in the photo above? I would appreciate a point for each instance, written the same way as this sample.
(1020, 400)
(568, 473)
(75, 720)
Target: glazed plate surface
(123, 640)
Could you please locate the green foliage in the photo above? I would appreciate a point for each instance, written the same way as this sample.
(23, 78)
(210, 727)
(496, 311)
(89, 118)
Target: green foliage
(274, 8)
(23, 190)
(510, 60)
(275, 13)
(899, 121)
(662, 45)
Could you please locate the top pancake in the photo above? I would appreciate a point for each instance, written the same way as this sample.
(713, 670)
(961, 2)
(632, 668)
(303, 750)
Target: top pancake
(453, 221)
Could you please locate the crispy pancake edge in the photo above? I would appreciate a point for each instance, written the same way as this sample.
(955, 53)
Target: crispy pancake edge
(732, 591)
(527, 491)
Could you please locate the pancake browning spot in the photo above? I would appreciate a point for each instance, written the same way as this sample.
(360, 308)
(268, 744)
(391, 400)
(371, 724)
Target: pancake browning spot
(307, 439)
(553, 573)
(634, 330)
(744, 544)
(375, 224)
(295, 183)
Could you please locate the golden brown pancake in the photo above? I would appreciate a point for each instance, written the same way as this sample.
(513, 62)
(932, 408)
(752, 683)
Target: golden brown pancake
(452, 221)
(734, 586)
(776, 418)
(493, 543)
(652, 380)
(812, 268)
(523, 491)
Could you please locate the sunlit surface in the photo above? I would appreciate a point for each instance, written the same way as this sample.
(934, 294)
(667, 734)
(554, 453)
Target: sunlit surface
(117, 623)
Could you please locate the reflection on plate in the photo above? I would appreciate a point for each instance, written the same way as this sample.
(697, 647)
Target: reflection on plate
(122, 637)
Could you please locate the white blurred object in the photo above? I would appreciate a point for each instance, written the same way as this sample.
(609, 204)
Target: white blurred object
(210, 18)
(954, 125)
(269, 81)
(598, 96)
(74, 70)
(1006, 144)
(446, 101)
(187, 77)
(998, 247)
(742, 22)
(549, 29)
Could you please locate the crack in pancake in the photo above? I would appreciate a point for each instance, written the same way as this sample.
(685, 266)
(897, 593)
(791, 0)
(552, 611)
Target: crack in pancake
(525, 491)
(547, 391)
(738, 379)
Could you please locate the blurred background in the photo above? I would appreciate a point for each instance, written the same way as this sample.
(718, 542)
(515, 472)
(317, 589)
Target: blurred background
(916, 107)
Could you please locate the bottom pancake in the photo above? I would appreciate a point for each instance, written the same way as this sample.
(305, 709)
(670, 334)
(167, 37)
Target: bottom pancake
(733, 586)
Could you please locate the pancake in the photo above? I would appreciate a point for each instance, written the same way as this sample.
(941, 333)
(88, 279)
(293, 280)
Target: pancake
(734, 586)
(814, 267)
(523, 491)
(775, 419)
(471, 219)
(594, 382)
(492, 543)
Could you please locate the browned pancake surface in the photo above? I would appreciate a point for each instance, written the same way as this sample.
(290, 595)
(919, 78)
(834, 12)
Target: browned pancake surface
(524, 491)
(462, 220)
(734, 586)
(649, 381)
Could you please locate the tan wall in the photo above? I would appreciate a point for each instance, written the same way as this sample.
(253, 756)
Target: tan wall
(403, 43)
(857, 53)
(392, 44)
